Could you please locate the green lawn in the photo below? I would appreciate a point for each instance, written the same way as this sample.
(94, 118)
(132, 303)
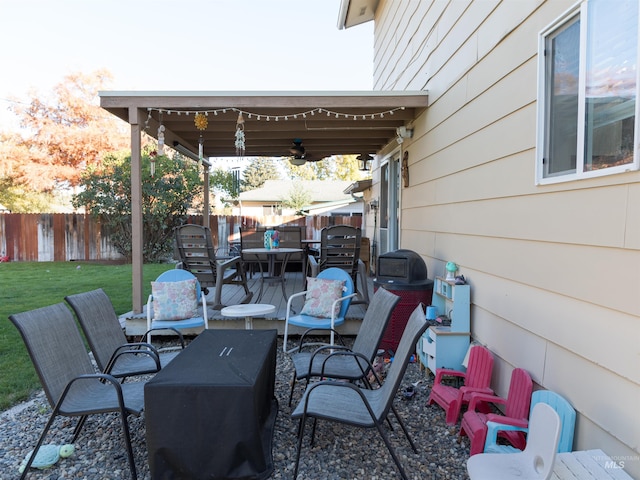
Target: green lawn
(28, 285)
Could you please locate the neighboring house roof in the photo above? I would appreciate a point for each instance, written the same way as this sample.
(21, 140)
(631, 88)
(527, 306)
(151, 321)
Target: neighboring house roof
(319, 191)
(359, 186)
(320, 208)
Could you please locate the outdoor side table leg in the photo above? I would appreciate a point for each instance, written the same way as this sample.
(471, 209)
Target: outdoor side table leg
(261, 279)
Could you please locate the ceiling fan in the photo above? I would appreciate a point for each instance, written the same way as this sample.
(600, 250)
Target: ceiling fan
(299, 153)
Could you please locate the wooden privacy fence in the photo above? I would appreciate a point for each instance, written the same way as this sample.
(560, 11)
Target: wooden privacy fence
(45, 237)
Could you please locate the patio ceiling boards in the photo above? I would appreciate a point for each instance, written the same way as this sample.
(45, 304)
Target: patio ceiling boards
(328, 123)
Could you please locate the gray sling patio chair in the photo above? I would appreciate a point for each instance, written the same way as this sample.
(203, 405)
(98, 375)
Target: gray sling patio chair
(70, 382)
(111, 351)
(344, 402)
(314, 360)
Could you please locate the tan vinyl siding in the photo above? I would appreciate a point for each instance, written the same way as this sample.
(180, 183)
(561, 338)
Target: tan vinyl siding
(555, 269)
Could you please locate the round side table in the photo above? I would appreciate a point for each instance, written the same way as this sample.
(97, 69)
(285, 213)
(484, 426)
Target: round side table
(248, 311)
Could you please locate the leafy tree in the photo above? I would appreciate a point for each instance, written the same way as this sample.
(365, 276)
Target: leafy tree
(222, 184)
(221, 180)
(298, 198)
(62, 134)
(309, 170)
(347, 167)
(19, 200)
(259, 171)
(166, 199)
(340, 167)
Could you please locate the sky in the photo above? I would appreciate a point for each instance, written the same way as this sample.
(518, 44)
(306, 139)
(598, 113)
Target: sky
(223, 45)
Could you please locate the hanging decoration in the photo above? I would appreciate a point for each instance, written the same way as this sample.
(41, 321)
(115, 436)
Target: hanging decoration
(201, 122)
(240, 135)
(405, 168)
(200, 150)
(161, 140)
(152, 160)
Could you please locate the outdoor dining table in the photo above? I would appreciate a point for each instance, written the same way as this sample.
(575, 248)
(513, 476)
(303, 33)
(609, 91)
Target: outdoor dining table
(211, 412)
(271, 276)
(307, 245)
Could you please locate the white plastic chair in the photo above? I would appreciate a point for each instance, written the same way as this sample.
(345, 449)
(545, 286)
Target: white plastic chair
(534, 462)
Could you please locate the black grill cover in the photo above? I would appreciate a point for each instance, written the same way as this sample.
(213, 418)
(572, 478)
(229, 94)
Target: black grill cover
(401, 267)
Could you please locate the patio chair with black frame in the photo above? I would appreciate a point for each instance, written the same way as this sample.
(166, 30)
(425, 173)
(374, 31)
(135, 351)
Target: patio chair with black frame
(316, 360)
(111, 350)
(70, 382)
(344, 402)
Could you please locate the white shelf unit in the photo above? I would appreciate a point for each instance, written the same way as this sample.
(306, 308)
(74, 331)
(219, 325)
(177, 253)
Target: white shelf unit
(446, 346)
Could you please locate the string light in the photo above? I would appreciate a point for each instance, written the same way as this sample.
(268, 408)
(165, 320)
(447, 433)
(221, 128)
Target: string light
(287, 117)
(201, 121)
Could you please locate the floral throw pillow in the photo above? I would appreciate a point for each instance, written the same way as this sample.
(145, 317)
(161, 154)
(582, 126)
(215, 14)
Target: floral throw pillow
(321, 293)
(174, 300)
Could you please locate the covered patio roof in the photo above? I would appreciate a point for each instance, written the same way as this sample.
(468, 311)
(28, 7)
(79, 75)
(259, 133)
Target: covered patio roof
(327, 123)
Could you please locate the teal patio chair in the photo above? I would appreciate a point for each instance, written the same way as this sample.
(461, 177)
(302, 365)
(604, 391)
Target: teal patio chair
(173, 303)
(331, 320)
(503, 429)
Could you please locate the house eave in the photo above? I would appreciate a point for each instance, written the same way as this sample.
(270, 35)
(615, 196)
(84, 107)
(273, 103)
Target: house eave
(356, 12)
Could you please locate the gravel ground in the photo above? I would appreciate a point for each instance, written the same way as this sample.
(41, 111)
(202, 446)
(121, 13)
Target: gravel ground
(339, 452)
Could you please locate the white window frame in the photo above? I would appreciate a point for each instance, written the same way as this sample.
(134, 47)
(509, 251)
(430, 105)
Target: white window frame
(272, 209)
(580, 9)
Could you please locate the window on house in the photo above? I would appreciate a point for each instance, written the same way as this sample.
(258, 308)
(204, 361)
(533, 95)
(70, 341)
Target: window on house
(272, 210)
(588, 80)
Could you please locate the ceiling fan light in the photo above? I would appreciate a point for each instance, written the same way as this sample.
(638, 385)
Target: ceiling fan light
(297, 161)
